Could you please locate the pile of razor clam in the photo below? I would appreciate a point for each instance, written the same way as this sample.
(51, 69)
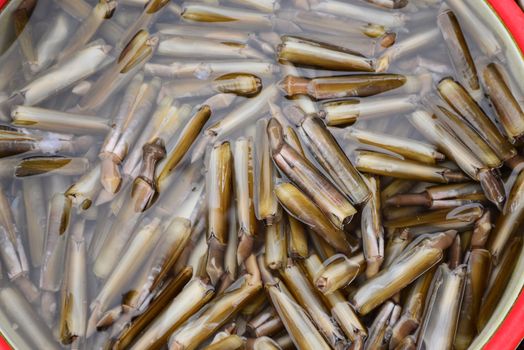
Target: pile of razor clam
(256, 174)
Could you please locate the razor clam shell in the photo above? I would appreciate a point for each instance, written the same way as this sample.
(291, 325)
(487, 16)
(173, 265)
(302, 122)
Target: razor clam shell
(81, 65)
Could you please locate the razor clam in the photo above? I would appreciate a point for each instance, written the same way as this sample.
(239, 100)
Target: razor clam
(266, 204)
(275, 246)
(73, 309)
(139, 247)
(195, 294)
(500, 276)
(406, 47)
(377, 338)
(297, 243)
(89, 26)
(230, 255)
(130, 60)
(114, 236)
(187, 47)
(337, 272)
(186, 138)
(458, 51)
(57, 121)
(206, 69)
(371, 229)
(218, 188)
(295, 319)
(241, 84)
(509, 111)
(412, 309)
(36, 216)
(53, 39)
(193, 332)
(442, 312)
(55, 248)
(441, 196)
(42, 166)
(359, 85)
(479, 32)
(330, 156)
(144, 191)
(414, 261)
(270, 327)
(222, 15)
(305, 52)
(51, 271)
(447, 141)
(347, 112)
(341, 310)
(478, 270)
(154, 309)
(150, 12)
(198, 31)
(508, 223)
(460, 218)
(333, 25)
(306, 296)
(361, 13)
(408, 148)
(443, 135)
(464, 104)
(175, 237)
(198, 257)
(298, 205)
(302, 172)
(466, 133)
(244, 192)
(382, 164)
(82, 64)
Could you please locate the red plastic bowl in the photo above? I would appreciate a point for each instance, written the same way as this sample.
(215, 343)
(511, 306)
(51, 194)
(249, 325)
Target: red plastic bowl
(511, 332)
